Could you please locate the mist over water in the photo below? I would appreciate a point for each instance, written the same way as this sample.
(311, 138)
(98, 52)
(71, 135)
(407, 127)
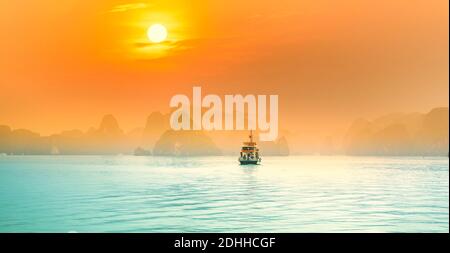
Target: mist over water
(216, 194)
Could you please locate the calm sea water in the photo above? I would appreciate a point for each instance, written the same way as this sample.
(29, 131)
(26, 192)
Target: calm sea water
(215, 194)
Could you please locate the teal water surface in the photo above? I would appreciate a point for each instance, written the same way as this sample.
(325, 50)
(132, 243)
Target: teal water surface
(215, 194)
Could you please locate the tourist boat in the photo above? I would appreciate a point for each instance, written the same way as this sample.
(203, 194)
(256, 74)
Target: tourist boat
(249, 152)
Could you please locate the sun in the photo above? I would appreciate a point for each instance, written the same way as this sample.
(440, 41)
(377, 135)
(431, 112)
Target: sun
(157, 33)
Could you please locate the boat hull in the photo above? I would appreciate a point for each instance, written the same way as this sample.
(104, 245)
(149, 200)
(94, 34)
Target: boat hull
(247, 162)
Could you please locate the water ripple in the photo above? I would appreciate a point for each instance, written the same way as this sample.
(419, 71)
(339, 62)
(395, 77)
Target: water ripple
(214, 194)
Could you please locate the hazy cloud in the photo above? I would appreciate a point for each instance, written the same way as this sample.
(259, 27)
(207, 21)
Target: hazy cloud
(128, 7)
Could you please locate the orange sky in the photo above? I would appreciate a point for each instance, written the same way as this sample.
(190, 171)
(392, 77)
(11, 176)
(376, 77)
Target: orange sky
(66, 63)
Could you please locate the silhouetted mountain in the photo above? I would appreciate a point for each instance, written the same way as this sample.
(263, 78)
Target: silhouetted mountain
(5, 139)
(109, 126)
(107, 139)
(230, 142)
(22, 141)
(155, 126)
(400, 134)
(393, 134)
(142, 152)
(185, 143)
(433, 138)
(392, 140)
(279, 147)
(411, 121)
(70, 142)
